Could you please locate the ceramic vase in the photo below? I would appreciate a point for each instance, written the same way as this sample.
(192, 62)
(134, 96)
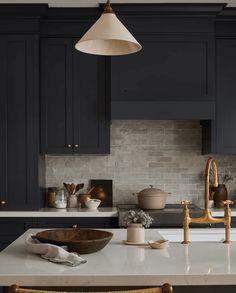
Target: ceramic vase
(72, 201)
(135, 233)
(220, 195)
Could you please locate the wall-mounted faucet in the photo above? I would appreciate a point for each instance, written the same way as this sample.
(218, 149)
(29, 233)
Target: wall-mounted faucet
(206, 217)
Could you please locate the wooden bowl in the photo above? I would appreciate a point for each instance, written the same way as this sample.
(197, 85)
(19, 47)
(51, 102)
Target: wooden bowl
(82, 241)
(83, 197)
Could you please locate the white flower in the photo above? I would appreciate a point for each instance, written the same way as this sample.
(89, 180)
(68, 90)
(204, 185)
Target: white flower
(138, 216)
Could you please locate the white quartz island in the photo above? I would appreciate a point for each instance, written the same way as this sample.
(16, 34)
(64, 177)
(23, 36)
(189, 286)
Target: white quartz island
(199, 263)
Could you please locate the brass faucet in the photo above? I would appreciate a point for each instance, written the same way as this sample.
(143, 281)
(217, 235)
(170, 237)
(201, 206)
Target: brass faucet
(206, 217)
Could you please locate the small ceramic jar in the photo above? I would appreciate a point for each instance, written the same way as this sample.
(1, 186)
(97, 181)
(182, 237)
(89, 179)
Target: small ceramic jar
(72, 201)
(135, 233)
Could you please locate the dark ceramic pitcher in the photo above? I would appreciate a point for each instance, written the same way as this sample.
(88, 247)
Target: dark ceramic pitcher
(220, 195)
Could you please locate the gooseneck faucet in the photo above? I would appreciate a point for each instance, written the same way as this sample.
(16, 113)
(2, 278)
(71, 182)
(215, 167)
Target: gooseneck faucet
(206, 217)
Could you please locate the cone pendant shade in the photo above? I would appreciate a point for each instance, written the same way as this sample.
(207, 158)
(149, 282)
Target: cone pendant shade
(108, 36)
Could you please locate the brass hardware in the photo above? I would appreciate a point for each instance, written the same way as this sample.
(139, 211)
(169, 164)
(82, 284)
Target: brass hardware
(68, 145)
(206, 217)
(107, 7)
(75, 145)
(75, 226)
(2, 202)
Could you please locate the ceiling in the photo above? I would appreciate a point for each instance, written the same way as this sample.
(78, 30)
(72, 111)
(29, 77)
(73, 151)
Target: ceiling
(94, 3)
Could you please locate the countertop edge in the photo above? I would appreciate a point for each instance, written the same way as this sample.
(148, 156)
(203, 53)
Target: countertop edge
(147, 280)
(67, 213)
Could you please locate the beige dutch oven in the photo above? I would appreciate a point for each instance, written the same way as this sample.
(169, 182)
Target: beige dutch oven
(152, 198)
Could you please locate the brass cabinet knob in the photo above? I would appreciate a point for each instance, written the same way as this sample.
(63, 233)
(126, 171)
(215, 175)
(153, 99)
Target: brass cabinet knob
(75, 145)
(75, 226)
(68, 146)
(2, 202)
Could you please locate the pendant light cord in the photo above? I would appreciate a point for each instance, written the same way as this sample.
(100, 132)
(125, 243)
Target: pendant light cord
(107, 7)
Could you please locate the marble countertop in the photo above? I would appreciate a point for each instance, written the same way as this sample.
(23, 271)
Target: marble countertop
(78, 212)
(73, 212)
(206, 261)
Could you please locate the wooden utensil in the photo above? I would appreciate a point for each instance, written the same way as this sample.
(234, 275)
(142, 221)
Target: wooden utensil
(72, 188)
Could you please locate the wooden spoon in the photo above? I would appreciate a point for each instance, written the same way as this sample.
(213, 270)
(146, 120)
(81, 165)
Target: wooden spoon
(90, 190)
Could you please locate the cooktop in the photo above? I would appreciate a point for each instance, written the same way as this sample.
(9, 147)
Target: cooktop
(168, 207)
(170, 216)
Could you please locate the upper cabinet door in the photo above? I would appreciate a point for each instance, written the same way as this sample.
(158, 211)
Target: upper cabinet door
(226, 96)
(19, 132)
(3, 195)
(90, 108)
(168, 68)
(74, 111)
(56, 96)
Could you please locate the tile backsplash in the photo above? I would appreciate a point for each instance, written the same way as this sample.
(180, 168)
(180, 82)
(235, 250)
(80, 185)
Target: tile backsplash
(166, 154)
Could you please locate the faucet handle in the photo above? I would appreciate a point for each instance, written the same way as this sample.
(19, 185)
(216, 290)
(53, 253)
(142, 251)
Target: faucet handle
(185, 202)
(227, 203)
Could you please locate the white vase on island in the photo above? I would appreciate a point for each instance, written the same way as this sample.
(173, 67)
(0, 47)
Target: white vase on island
(135, 233)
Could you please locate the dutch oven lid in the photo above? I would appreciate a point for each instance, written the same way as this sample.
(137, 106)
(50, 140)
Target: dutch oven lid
(153, 192)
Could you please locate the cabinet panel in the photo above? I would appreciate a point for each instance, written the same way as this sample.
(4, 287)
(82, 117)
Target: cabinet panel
(80, 222)
(56, 92)
(19, 143)
(11, 228)
(2, 126)
(74, 109)
(169, 68)
(91, 127)
(226, 91)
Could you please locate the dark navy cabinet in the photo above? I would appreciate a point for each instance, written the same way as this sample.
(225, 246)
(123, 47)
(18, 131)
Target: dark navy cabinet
(169, 68)
(11, 228)
(173, 77)
(74, 100)
(226, 93)
(18, 122)
(82, 222)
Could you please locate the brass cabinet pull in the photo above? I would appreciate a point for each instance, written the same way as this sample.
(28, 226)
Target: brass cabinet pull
(68, 145)
(75, 226)
(2, 202)
(76, 145)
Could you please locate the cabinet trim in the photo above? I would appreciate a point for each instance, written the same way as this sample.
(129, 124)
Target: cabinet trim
(163, 110)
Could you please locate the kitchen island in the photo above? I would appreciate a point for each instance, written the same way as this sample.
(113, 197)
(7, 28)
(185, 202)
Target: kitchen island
(206, 262)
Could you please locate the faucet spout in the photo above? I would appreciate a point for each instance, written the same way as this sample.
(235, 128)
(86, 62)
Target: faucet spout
(206, 217)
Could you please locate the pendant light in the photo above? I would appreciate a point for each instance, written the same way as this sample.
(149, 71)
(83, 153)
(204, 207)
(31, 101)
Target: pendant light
(108, 36)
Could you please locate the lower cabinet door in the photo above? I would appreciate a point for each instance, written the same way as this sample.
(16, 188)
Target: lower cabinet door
(3, 289)
(11, 228)
(77, 222)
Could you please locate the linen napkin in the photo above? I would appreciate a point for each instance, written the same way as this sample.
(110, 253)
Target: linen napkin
(53, 253)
